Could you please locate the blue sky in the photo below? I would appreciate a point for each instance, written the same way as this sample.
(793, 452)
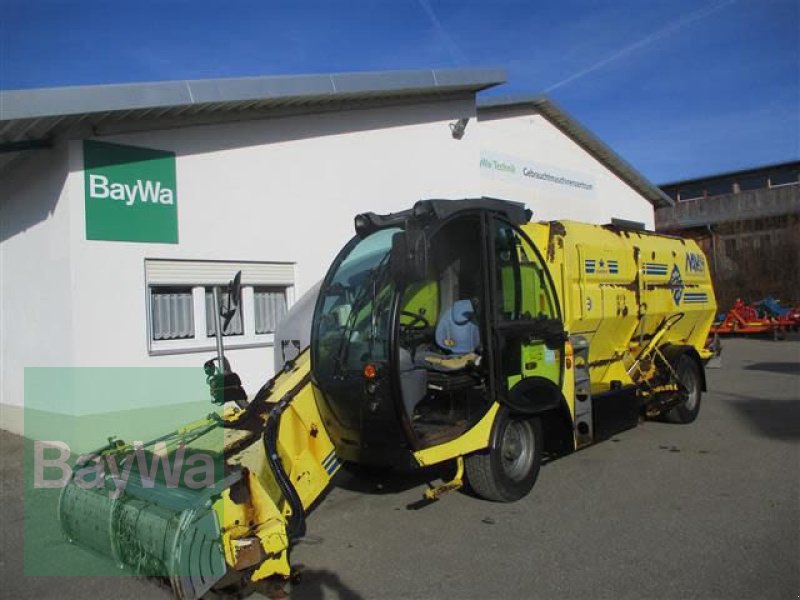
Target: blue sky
(679, 88)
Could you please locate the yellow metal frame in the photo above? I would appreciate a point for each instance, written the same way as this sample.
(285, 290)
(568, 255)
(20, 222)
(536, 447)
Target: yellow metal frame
(472, 440)
(308, 457)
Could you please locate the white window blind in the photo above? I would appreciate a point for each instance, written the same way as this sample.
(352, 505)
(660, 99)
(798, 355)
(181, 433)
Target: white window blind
(234, 327)
(172, 313)
(270, 308)
(191, 272)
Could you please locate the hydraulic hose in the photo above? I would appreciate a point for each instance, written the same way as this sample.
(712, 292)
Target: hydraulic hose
(295, 528)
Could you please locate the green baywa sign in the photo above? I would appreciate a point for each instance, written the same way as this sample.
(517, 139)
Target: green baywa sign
(130, 192)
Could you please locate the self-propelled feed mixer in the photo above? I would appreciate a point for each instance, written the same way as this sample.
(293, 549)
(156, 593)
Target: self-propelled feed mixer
(457, 330)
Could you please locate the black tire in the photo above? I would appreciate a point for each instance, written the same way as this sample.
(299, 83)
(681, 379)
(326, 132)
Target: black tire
(688, 372)
(507, 471)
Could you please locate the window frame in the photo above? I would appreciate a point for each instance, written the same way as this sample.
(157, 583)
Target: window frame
(777, 174)
(202, 342)
(691, 193)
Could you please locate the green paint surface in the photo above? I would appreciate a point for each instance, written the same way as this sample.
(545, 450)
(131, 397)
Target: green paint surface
(130, 193)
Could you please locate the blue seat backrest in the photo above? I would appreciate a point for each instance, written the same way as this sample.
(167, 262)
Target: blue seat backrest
(456, 329)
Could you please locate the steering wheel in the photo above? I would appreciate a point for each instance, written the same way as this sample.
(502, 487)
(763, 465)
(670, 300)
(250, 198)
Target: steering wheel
(418, 321)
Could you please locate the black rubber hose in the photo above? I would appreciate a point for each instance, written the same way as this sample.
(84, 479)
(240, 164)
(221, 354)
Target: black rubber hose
(296, 526)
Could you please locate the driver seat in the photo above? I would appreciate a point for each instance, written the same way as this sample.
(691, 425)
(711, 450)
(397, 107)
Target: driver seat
(457, 339)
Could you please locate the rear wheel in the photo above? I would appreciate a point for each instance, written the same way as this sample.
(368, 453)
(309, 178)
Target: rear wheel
(507, 471)
(688, 372)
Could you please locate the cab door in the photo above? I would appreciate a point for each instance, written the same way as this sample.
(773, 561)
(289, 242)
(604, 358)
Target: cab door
(527, 326)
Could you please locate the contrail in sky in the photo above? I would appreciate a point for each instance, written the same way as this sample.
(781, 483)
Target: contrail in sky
(455, 52)
(655, 36)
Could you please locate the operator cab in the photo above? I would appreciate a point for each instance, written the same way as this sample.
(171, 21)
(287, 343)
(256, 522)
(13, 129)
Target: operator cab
(425, 319)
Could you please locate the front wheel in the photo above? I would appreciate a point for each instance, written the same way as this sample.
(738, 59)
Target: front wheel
(507, 471)
(688, 372)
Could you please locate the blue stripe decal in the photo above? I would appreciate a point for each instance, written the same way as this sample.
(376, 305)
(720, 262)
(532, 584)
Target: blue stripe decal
(695, 297)
(328, 459)
(333, 466)
(655, 269)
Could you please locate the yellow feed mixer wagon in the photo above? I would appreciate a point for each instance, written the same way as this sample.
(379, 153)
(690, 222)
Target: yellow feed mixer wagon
(456, 330)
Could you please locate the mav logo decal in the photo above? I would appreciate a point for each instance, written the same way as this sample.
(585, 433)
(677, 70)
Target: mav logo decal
(676, 283)
(695, 262)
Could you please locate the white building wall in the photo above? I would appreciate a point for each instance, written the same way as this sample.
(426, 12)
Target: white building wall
(37, 293)
(272, 190)
(282, 189)
(523, 137)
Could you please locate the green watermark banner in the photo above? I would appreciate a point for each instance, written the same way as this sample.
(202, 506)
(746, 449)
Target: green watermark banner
(121, 467)
(130, 193)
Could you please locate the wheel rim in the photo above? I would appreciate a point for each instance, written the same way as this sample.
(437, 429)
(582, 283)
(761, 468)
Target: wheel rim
(517, 450)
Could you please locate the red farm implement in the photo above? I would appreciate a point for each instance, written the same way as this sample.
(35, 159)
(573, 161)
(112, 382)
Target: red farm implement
(749, 320)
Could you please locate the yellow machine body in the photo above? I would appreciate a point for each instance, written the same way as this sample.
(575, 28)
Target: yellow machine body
(254, 531)
(627, 293)
(631, 303)
(617, 287)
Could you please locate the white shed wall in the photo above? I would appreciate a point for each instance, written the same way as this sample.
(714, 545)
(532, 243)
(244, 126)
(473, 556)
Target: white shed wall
(36, 288)
(281, 189)
(529, 138)
(273, 190)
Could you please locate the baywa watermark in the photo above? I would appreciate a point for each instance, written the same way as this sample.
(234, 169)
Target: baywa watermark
(114, 470)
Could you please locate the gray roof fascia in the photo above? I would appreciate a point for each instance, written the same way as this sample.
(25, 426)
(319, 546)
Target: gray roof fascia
(78, 100)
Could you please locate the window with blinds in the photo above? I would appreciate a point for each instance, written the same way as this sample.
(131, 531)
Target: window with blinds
(180, 303)
(270, 307)
(172, 313)
(234, 327)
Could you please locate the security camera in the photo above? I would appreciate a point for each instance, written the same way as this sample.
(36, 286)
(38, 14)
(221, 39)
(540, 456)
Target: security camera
(457, 128)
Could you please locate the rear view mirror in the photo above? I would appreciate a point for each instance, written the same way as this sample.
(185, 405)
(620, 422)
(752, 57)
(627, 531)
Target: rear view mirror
(234, 293)
(409, 258)
(234, 290)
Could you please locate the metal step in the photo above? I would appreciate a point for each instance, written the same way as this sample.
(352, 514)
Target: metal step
(584, 430)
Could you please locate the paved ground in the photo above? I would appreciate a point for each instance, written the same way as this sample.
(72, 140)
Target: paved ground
(708, 510)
